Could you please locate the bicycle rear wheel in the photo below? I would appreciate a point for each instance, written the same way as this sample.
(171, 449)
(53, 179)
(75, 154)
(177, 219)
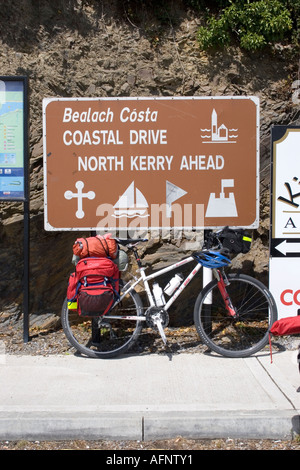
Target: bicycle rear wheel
(245, 334)
(104, 337)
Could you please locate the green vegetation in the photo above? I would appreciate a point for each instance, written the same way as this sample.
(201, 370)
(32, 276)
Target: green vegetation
(254, 24)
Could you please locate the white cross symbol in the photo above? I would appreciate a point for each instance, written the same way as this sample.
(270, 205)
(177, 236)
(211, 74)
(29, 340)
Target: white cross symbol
(80, 195)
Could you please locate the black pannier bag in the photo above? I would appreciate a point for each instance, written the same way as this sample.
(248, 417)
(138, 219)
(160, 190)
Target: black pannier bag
(235, 240)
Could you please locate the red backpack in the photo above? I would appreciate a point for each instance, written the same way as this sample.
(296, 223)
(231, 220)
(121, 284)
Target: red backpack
(99, 246)
(93, 287)
(286, 326)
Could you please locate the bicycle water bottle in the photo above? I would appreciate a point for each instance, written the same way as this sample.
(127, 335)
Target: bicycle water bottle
(173, 284)
(158, 295)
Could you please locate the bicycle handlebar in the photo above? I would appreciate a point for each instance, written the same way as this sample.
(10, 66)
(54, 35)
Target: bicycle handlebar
(211, 240)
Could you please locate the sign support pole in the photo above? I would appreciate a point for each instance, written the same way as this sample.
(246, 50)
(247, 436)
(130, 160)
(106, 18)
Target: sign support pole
(26, 273)
(26, 246)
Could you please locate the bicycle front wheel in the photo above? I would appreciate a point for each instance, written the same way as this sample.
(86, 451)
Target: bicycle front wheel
(104, 337)
(248, 331)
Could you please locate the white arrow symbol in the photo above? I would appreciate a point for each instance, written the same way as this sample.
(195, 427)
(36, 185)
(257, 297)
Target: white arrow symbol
(285, 247)
(172, 194)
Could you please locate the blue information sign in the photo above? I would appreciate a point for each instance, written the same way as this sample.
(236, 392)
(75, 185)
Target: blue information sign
(12, 138)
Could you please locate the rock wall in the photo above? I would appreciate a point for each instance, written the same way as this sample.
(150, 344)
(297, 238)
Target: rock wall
(108, 49)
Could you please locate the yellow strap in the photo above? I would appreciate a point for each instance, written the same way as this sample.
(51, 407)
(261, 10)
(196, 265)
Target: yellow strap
(247, 239)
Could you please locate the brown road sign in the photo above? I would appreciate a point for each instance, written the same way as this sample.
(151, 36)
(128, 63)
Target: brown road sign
(151, 162)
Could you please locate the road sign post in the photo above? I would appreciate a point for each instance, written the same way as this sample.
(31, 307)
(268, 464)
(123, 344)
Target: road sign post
(285, 220)
(151, 163)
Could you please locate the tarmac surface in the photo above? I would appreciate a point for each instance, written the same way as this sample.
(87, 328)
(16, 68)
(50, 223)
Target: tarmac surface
(148, 397)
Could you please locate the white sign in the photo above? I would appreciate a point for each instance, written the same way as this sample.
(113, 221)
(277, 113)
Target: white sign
(285, 286)
(284, 281)
(286, 187)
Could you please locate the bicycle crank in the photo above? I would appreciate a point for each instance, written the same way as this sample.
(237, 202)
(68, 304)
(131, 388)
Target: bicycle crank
(157, 318)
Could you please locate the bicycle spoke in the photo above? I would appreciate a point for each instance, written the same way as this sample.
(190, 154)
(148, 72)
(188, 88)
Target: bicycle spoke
(104, 336)
(243, 334)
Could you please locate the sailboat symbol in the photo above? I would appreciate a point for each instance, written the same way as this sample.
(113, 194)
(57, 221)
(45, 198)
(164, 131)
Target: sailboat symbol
(131, 204)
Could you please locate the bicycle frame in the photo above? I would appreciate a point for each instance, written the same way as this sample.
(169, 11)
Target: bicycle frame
(146, 278)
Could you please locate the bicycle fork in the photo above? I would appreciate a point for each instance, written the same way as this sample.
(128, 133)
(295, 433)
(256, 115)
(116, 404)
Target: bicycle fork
(222, 282)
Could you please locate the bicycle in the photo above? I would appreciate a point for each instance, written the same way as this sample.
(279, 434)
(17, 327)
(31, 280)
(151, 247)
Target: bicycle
(232, 314)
